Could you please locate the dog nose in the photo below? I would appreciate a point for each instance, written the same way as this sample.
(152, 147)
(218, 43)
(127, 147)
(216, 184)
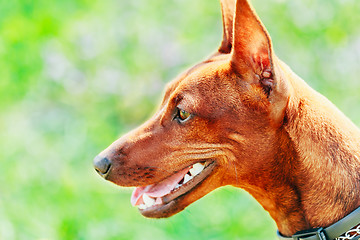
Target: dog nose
(102, 165)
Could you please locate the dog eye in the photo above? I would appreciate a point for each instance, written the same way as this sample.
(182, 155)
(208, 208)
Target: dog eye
(182, 115)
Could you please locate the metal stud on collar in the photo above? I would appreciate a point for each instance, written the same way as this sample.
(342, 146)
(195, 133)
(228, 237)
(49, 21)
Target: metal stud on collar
(352, 234)
(315, 232)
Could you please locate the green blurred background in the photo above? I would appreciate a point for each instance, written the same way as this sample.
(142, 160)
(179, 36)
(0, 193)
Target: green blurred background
(76, 74)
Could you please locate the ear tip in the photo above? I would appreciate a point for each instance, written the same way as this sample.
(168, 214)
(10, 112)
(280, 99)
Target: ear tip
(228, 12)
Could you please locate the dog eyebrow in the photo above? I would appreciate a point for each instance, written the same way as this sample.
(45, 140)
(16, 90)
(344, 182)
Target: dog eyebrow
(168, 105)
(169, 90)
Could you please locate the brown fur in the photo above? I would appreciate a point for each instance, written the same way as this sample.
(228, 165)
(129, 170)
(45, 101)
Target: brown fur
(267, 130)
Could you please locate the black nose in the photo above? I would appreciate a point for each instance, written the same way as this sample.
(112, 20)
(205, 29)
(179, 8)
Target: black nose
(102, 165)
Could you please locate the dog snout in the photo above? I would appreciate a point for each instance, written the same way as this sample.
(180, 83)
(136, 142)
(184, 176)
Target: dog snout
(102, 165)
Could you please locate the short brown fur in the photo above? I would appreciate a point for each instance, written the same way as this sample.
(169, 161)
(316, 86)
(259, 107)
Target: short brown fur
(267, 130)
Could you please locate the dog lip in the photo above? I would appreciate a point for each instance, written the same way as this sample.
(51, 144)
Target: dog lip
(160, 211)
(187, 187)
(170, 200)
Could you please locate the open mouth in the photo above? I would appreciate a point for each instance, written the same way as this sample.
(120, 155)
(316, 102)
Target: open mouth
(154, 197)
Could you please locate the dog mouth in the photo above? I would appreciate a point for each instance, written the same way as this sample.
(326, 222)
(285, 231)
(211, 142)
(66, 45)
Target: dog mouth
(153, 200)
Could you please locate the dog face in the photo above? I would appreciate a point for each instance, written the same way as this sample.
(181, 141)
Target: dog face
(217, 124)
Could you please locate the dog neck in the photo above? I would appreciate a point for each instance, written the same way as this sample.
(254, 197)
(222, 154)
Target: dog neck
(315, 182)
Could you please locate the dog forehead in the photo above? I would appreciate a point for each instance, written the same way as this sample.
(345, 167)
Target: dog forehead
(204, 90)
(210, 77)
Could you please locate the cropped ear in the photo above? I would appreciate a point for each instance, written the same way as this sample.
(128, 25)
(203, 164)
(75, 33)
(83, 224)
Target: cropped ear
(228, 11)
(252, 53)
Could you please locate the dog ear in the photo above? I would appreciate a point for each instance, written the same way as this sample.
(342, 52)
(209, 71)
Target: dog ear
(228, 11)
(252, 51)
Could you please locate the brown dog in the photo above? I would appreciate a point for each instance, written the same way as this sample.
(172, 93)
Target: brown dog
(242, 118)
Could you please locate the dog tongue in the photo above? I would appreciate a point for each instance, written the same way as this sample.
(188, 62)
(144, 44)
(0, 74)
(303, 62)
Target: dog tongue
(159, 189)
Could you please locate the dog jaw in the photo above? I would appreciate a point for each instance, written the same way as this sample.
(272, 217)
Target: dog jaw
(180, 197)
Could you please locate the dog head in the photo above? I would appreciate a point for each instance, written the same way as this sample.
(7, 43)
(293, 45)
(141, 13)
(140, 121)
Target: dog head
(217, 124)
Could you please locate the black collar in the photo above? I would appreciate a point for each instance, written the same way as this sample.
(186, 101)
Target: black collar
(331, 232)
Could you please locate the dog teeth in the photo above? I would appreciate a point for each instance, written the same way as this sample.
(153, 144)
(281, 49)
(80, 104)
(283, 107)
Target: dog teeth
(187, 178)
(158, 201)
(142, 206)
(196, 169)
(148, 201)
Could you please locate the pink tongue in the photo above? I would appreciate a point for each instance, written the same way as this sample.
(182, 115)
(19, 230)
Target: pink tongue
(159, 189)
